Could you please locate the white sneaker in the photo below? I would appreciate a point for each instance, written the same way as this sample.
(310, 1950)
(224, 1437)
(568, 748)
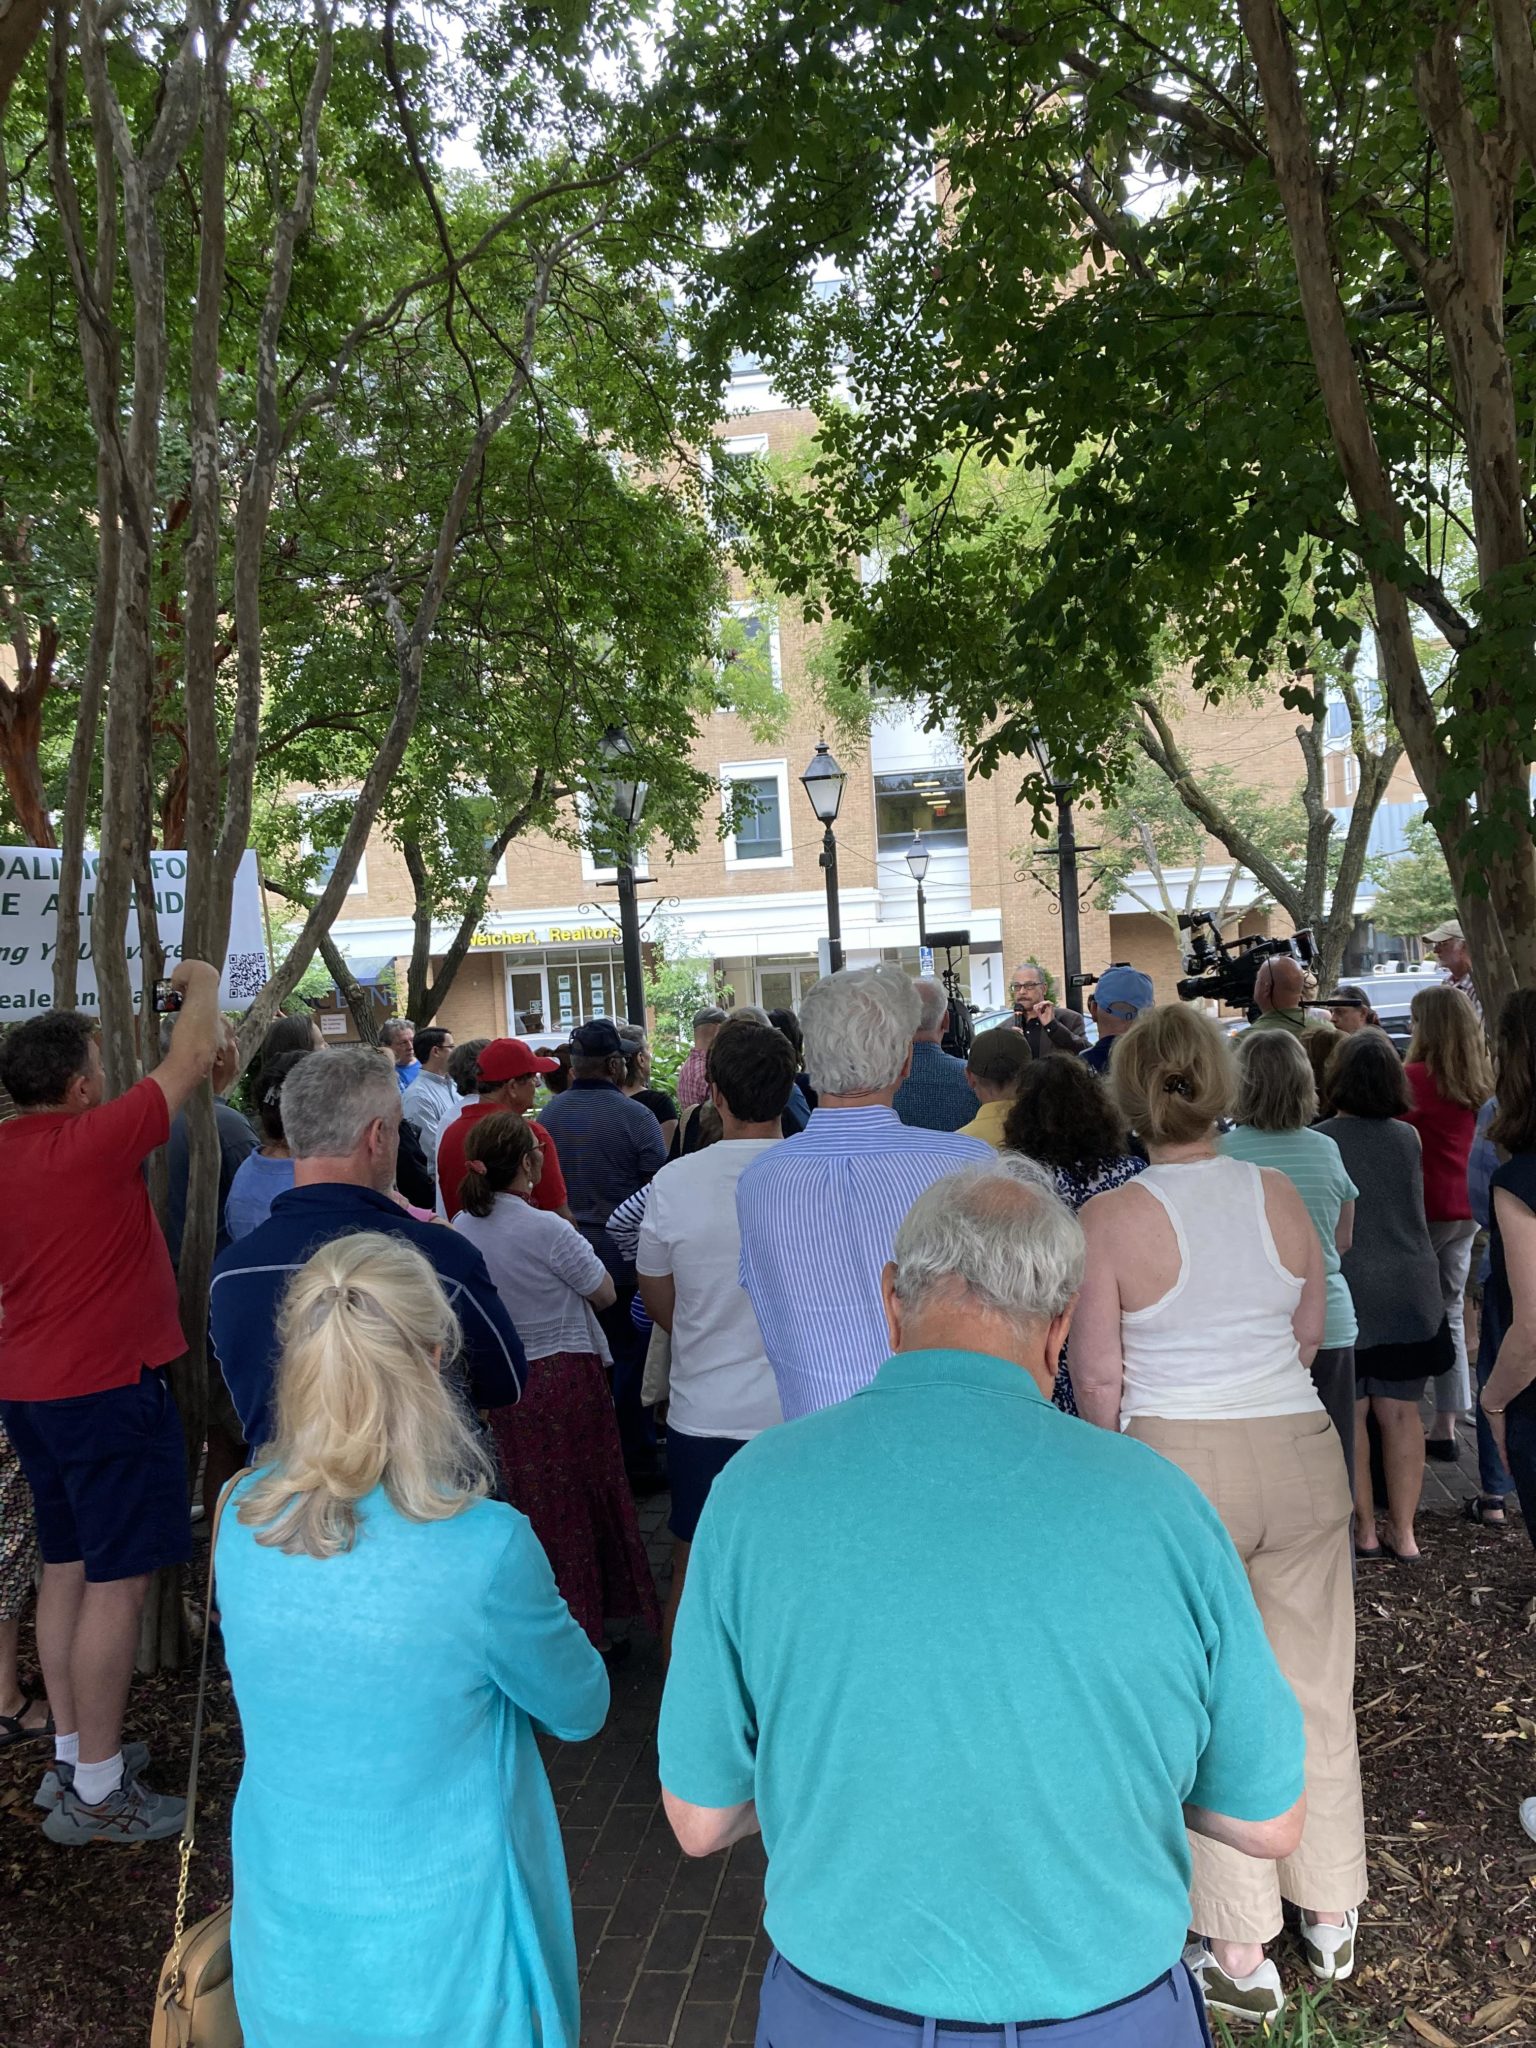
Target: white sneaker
(1528, 1817)
(1258, 1997)
(1331, 1950)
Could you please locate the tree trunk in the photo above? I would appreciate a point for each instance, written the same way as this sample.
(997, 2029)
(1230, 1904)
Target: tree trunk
(21, 23)
(95, 283)
(1496, 897)
(21, 737)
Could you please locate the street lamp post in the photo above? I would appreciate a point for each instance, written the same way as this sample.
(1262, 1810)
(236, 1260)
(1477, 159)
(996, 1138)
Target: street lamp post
(917, 867)
(1066, 872)
(823, 783)
(624, 802)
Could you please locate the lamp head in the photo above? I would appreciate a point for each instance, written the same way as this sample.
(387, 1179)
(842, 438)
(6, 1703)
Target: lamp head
(824, 782)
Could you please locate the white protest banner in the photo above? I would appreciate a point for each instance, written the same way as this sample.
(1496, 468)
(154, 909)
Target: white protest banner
(29, 922)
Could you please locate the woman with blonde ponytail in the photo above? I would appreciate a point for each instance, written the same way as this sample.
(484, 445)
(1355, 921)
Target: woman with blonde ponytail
(395, 1641)
(561, 1460)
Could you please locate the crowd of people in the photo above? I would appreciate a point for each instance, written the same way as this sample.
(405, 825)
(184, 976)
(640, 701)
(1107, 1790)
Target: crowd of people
(1026, 1416)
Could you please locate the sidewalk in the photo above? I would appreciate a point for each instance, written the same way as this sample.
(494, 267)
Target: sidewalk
(671, 1950)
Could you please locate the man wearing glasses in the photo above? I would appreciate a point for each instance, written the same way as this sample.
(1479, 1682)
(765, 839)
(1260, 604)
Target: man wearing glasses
(1047, 1026)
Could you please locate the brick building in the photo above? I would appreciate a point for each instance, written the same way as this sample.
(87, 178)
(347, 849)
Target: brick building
(546, 954)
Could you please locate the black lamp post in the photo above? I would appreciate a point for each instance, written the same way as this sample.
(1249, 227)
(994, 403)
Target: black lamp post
(1066, 871)
(623, 803)
(917, 868)
(824, 782)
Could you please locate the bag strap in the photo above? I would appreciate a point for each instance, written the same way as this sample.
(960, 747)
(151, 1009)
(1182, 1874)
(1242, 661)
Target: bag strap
(189, 1825)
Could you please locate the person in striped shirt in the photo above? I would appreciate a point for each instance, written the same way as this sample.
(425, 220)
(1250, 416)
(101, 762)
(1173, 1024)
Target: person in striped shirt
(819, 1212)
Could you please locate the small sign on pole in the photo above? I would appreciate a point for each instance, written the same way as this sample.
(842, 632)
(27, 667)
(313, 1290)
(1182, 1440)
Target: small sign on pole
(925, 960)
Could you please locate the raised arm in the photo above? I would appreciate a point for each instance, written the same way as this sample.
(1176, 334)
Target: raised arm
(195, 1037)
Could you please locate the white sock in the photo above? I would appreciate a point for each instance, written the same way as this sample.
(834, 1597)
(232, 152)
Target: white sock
(95, 1782)
(66, 1749)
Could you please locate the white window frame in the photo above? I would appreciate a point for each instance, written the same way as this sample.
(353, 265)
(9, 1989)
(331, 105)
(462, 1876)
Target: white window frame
(731, 772)
(749, 608)
(590, 871)
(358, 886)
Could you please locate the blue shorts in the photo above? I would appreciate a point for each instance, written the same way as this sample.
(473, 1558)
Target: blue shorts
(694, 1463)
(108, 1474)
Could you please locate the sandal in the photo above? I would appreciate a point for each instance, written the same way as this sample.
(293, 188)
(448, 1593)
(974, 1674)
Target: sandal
(14, 1729)
(1487, 1513)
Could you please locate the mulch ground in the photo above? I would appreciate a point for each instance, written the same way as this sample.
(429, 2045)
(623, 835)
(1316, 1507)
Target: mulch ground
(1447, 1689)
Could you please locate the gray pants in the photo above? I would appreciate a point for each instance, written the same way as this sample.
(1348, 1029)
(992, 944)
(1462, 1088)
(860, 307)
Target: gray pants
(1333, 1375)
(1453, 1248)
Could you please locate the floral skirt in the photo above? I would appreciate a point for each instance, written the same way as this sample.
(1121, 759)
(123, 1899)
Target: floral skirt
(18, 1536)
(562, 1467)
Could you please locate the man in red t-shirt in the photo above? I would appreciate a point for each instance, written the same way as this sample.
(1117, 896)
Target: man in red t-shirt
(90, 1324)
(507, 1073)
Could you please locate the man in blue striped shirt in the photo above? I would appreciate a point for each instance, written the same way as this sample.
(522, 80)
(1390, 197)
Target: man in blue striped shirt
(819, 1212)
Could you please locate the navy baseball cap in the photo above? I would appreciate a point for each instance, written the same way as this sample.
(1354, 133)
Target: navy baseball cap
(598, 1040)
(1125, 992)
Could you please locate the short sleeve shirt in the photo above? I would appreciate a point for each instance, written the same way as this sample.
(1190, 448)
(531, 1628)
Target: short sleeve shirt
(970, 1714)
(722, 1383)
(1313, 1164)
(88, 1291)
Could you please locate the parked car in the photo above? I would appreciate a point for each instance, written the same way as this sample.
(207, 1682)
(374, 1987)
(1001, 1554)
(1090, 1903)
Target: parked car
(1391, 995)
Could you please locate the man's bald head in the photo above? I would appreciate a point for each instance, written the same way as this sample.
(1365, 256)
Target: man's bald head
(1281, 984)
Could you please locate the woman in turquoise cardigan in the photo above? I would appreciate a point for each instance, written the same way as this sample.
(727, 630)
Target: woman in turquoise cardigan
(395, 1641)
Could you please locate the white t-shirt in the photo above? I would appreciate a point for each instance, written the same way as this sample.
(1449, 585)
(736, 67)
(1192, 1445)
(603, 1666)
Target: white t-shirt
(543, 1269)
(722, 1383)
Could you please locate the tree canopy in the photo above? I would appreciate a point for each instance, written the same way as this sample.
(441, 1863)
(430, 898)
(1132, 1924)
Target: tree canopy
(1249, 292)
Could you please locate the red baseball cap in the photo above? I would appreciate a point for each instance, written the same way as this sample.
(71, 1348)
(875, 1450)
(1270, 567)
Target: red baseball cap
(508, 1059)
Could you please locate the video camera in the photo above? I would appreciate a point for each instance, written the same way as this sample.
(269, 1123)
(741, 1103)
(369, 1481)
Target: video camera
(1225, 970)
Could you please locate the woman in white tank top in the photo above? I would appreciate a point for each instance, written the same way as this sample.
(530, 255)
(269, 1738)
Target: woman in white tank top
(1203, 1304)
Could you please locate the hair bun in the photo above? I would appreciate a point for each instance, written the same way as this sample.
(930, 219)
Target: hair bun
(1179, 1084)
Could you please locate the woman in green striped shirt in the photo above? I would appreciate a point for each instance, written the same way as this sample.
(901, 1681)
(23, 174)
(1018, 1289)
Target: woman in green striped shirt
(1276, 1102)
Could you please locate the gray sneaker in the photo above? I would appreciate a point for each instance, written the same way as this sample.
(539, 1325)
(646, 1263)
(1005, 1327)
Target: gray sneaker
(57, 1775)
(129, 1815)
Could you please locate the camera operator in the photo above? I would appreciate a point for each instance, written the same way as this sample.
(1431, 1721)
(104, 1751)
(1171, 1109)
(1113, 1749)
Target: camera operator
(1046, 1025)
(1279, 994)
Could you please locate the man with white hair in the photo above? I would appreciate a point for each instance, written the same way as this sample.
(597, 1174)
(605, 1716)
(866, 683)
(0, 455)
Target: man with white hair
(818, 1213)
(935, 1096)
(341, 1118)
(973, 1739)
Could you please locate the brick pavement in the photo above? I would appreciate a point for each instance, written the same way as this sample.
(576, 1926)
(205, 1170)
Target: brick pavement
(671, 1950)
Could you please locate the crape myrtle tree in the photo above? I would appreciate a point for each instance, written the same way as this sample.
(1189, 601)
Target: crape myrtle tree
(1251, 290)
(233, 230)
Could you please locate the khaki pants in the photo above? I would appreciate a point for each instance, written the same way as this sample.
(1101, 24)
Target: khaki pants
(1279, 1486)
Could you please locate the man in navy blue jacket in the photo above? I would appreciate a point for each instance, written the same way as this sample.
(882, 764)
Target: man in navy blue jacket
(341, 1116)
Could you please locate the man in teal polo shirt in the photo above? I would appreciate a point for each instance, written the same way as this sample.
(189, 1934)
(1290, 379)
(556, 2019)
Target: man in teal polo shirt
(973, 1670)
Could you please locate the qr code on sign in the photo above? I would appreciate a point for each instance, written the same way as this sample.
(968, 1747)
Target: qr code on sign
(246, 974)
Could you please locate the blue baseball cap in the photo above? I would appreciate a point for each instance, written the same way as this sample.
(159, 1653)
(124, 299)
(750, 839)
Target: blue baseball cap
(1125, 992)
